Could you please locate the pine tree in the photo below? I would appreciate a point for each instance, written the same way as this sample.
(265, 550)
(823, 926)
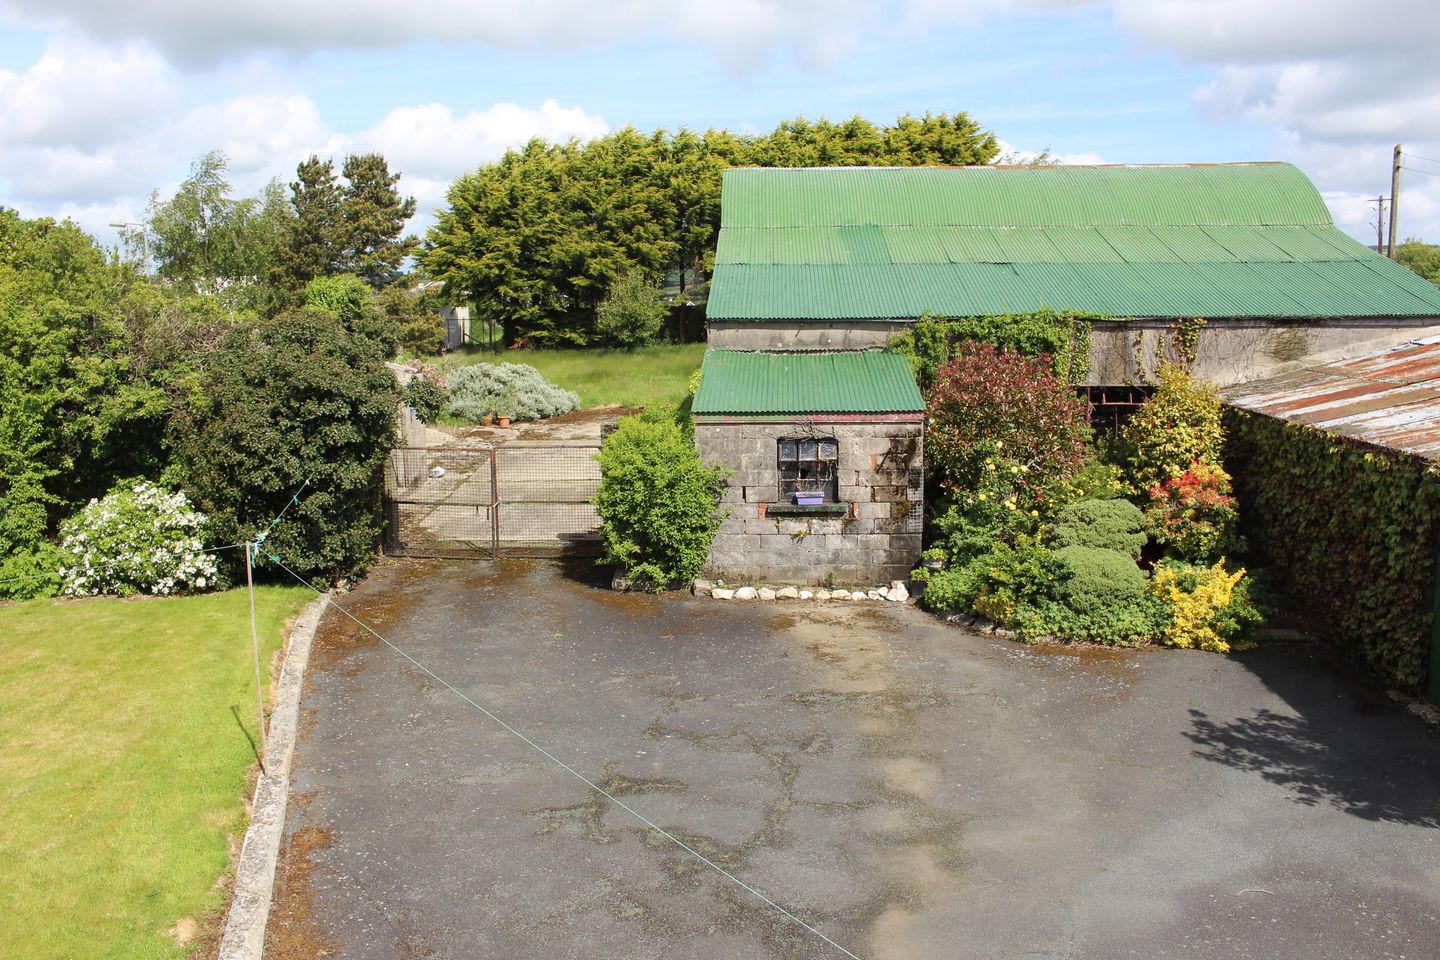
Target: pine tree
(373, 217)
(314, 245)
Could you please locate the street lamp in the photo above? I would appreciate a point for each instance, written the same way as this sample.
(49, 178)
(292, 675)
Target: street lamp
(144, 240)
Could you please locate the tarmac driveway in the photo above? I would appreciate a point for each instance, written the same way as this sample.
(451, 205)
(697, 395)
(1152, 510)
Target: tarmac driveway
(913, 790)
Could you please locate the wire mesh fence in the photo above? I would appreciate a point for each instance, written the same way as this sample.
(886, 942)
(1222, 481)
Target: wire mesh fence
(520, 499)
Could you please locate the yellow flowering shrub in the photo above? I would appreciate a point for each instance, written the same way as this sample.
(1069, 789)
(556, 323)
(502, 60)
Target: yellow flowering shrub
(1209, 606)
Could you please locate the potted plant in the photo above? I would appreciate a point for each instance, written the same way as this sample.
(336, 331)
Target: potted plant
(933, 559)
(506, 405)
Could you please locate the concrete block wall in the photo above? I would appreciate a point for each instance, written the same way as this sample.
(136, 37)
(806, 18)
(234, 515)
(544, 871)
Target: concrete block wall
(875, 541)
(1232, 351)
(801, 334)
(1229, 351)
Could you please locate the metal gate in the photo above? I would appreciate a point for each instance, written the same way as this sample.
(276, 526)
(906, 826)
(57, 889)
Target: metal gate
(520, 499)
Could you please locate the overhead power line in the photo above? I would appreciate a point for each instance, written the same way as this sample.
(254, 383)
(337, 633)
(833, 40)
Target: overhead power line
(567, 768)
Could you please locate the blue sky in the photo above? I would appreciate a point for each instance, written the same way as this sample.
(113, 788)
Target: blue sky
(100, 104)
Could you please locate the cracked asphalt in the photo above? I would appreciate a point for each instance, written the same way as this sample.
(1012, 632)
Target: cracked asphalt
(911, 789)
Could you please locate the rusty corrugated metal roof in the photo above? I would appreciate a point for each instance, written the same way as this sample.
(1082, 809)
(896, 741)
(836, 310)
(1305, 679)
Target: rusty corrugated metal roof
(1389, 399)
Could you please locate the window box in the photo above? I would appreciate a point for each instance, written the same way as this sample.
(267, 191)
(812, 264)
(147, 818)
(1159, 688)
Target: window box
(807, 510)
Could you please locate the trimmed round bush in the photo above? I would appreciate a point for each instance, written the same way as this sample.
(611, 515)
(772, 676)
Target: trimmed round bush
(1101, 598)
(1106, 524)
(514, 390)
(136, 539)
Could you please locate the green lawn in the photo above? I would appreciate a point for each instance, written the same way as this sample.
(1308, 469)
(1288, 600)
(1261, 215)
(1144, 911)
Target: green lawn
(124, 764)
(648, 377)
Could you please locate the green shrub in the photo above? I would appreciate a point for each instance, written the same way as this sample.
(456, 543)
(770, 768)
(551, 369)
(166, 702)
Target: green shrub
(998, 508)
(998, 583)
(352, 301)
(299, 400)
(1015, 577)
(657, 502)
(1098, 480)
(419, 328)
(138, 538)
(31, 573)
(1107, 524)
(1101, 597)
(425, 397)
(1178, 425)
(514, 390)
(632, 314)
(955, 588)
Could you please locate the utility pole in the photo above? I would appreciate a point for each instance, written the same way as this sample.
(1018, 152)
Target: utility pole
(1379, 224)
(1394, 202)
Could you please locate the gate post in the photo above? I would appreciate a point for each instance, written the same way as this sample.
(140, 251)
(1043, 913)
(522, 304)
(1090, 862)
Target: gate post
(494, 507)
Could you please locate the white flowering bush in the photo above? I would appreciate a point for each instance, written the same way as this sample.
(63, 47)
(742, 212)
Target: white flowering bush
(137, 539)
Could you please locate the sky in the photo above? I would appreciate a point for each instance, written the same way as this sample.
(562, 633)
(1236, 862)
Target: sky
(102, 103)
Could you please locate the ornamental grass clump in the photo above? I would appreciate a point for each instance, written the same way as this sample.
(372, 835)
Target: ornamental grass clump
(136, 539)
(514, 390)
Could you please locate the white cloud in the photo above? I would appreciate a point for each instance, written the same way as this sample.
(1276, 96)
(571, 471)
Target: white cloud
(88, 132)
(431, 141)
(740, 33)
(82, 94)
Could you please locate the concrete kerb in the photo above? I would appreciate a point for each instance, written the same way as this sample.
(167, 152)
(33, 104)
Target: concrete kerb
(244, 936)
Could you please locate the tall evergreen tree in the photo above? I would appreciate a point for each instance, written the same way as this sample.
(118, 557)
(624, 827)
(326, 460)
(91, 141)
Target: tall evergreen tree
(537, 239)
(314, 245)
(373, 215)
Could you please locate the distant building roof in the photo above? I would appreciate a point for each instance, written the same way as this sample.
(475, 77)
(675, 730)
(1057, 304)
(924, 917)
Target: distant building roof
(1221, 240)
(812, 382)
(1388, 399)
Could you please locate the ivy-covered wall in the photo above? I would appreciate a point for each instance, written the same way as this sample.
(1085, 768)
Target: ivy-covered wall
(1350, 532)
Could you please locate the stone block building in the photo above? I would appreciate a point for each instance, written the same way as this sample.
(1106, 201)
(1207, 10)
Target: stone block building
(827, 452)
(831, 262)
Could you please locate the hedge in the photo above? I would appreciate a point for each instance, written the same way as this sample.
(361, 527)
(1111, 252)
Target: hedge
(1349, 532)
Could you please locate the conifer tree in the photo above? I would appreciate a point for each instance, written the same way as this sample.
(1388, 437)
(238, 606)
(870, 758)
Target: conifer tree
(373, 216)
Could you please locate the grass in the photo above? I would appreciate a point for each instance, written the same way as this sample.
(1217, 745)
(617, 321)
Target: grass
(127, 727)
(656, 376)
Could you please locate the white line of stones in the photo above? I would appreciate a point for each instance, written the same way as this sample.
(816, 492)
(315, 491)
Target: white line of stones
(895, 593)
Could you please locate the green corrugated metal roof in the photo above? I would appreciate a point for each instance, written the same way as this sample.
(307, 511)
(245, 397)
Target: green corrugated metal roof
(812, 382)
(1251, 240)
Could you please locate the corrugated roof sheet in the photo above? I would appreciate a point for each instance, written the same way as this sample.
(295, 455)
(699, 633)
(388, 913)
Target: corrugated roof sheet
(1388, 399)
(868, 381)
(1252, 240)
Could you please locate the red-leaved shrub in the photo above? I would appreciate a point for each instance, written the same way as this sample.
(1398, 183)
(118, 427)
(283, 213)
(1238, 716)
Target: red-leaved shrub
(988, 403)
